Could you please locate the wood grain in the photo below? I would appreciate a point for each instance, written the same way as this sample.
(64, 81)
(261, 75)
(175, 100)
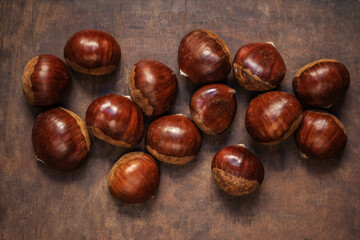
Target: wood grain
(297, 200)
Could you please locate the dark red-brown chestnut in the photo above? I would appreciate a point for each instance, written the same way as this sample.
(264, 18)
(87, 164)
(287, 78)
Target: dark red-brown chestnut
(320, 135)
(152, 86)
(60, 139)
(237, 170)
(213, 108)
(92, 52)
(115, 119)
(259, 67)
(203, 57)
(321, 83)
(45, 80)
(273, 116)
(173, 139)
(134, 178)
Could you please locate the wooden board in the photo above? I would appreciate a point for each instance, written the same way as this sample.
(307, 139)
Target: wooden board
(298, 199)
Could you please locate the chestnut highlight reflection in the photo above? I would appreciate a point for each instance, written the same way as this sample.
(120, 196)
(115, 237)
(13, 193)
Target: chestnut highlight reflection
(134, 178)
(173, 139)
(203, 57)
(45, 80)
(115, 119)
(60, 139)
(237, 170)
(92, 52)
(321, 83)
(152, 86)
(320, 136)
(272, 117)
(213, 108)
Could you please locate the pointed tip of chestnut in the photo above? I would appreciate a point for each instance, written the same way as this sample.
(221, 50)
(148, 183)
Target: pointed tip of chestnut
(92, 52)
(203, 57)
(134, 178)
(321, 83)
(173, 139)
(320, 135)
(237, 170)
(153, 87)
(60, 139)
(45, 80)
(115, 119)
(272, 117)
(213, 108)
(259, 67)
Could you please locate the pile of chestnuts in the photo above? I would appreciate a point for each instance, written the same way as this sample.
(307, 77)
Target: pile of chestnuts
(61, 138)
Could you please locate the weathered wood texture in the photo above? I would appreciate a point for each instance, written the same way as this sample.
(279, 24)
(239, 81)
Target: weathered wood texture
(298, 199)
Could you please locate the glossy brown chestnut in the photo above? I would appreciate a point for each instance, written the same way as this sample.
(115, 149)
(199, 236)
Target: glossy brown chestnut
(259, 67)
(45, 80)
(92, 52)
(115, 119)
(321, 83)
(203, 57)
(273, 116)
(320, 135)
(152, 86)
(134, 178)
(213, 108)
(173, 139)
(237, 170)
(60, 139)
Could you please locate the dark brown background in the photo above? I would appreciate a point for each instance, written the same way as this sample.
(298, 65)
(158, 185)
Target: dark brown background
(298, 199)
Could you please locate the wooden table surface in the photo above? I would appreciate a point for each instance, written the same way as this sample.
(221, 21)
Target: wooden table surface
(298, 199)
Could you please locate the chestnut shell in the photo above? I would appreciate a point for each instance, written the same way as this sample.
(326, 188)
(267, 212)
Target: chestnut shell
(115, 119)
(203, 57)
(259, 67)
(173, 139)
(321, 135)
(213, 108)
(92, 52)
(45, 80)
(321, 83)
(273, 116)
(134, 178)
(60, 139)
(152, 86)
(237, 170)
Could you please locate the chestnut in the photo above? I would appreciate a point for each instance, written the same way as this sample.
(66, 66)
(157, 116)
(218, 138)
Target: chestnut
(152, 86)
(320, 135)
(273, 116)
(92, 52)
(259, 67)
(60, 139)
(237, 170)
(115, 119)
(45, 80)
(213, 108)
(134, 178)
(203, 57)
(321, 83)
(173, 139)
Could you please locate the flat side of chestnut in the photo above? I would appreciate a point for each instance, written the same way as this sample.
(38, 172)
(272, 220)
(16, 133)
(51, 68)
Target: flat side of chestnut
(272, 117)
(197, 64)
(259, 66)
(137, 185)
(137, 95)
(233, 185)
(169, 159)
(321, 135)
(209, 103)
(26, 80)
